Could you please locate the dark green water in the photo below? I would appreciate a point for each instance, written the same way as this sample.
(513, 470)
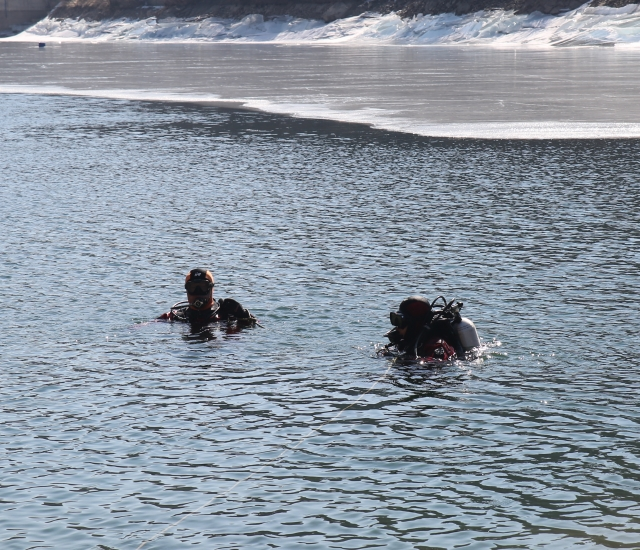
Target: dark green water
(113, 428)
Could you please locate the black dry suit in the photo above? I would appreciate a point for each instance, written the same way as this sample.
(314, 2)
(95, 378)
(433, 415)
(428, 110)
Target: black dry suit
(427, 327)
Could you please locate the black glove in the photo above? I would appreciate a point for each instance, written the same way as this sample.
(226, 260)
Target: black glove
(230, 308)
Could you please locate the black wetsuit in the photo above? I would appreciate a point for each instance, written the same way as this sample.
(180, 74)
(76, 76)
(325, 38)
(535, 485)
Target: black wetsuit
(420, 338)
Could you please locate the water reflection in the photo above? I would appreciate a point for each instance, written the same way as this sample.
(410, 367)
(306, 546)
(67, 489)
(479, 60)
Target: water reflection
(416, 376)
(213, 331)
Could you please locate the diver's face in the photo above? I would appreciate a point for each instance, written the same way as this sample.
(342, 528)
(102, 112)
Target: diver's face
(402, 331)
(200, 301)
(200, 294)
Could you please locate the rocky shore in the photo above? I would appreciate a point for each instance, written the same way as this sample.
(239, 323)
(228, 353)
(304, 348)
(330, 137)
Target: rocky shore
(17, 14)
(308, 9)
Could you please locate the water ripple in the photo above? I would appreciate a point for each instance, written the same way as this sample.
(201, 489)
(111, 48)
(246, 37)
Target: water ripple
(114, 428)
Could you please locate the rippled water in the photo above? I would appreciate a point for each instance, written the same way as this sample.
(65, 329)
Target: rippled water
(114, 428)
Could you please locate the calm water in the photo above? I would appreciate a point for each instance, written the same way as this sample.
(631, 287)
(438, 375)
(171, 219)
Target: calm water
(432, 91)
(113, 428)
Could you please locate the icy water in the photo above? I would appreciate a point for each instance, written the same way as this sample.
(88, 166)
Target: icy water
(432, 91)
(114, 428)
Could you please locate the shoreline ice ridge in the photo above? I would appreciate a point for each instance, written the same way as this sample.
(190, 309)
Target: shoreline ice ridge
(580, 27)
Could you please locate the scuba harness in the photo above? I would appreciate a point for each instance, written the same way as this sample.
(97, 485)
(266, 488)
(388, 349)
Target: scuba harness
(226, 309)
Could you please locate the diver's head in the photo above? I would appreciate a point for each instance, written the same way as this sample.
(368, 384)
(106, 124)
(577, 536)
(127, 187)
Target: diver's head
(199, 287)
(412, 313)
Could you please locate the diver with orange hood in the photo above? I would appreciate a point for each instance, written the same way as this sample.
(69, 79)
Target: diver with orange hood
(201, 307)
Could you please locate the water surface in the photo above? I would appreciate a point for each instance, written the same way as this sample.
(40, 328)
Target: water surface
(114, 428)
(431, 91)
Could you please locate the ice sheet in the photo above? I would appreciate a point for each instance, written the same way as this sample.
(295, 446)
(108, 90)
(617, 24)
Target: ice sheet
(467, 92)
(383, 119)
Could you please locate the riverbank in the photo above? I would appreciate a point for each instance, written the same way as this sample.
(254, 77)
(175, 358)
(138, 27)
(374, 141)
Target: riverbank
(585, 26)
(308, 9)
(15, 15)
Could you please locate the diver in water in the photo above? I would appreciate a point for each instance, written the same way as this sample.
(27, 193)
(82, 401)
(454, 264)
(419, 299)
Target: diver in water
(201, 308)
(422, 331)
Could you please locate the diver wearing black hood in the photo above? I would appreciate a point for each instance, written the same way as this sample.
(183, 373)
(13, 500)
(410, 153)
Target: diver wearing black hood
(422, 333)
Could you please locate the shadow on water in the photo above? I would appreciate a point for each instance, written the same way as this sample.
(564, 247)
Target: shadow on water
(210, 121)
(421, 377)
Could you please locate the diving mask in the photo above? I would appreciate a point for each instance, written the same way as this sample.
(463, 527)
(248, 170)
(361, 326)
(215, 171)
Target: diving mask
(397, 319)
(198, 288)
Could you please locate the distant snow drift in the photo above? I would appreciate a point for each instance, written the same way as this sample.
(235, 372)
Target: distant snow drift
(585, 26)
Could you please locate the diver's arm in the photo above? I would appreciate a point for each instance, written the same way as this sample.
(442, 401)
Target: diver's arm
(231, 308)
(178, 312)
(169, 316)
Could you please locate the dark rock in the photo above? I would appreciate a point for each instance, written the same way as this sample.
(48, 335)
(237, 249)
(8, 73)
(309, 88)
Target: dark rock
(335, 11)
(16, 15)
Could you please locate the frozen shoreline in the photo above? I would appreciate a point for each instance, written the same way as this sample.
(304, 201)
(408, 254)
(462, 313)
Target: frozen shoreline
(325, 10)
(584, 26)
